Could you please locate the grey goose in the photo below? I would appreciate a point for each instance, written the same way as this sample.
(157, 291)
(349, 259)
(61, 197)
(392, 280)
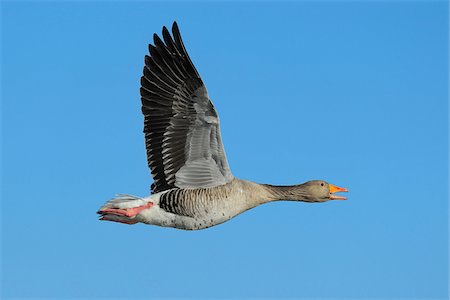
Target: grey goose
(193, 185)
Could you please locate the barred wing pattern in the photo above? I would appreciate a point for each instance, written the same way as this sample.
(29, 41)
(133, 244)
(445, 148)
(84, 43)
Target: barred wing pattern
(181, 126)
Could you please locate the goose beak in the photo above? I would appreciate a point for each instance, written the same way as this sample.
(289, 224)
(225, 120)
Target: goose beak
(335, 189)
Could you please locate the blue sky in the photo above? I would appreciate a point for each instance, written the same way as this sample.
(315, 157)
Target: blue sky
(354, 93)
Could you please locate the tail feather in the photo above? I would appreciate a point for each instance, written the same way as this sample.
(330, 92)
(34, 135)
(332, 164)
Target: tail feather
(123, 209)
(124, 201)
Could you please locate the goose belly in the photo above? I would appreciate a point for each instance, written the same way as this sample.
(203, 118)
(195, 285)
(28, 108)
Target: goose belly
(198, 208)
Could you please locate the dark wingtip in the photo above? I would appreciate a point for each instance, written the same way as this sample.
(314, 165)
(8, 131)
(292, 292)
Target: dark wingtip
(151, 49)
(164, 30)
(155, 38)
(175, 27)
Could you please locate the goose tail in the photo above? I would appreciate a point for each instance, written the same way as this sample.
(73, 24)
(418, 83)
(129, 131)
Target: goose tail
(123, 209)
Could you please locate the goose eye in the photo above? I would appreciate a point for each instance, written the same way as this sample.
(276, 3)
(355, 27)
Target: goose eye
(321, 184)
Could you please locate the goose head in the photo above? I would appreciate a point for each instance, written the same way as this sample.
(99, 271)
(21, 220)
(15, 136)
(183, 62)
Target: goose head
(321, 191)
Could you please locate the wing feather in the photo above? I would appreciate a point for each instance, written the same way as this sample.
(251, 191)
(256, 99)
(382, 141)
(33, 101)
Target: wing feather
(181, 126)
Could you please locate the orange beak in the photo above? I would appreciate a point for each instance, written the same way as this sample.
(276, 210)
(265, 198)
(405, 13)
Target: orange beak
(335, 189)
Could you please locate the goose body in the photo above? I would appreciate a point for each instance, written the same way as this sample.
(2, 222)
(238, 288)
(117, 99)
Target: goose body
(193, 185)
(192, 209)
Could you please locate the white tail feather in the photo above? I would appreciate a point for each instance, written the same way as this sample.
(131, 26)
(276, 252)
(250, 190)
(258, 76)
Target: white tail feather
(124, 201)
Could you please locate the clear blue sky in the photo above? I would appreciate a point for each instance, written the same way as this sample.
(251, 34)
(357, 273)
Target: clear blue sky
(354, 93)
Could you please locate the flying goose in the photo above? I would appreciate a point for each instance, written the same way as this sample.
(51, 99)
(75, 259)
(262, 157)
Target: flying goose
(193, 185)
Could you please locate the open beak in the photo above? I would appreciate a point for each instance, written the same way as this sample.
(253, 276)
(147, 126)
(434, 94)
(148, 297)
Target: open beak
(336, 189)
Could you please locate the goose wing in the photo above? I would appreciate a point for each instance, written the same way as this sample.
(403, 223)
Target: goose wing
(181, 126)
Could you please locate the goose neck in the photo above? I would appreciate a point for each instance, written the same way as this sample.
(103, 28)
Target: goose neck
(286, 192)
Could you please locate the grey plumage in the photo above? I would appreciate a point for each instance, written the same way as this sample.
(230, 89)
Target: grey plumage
(181, 126)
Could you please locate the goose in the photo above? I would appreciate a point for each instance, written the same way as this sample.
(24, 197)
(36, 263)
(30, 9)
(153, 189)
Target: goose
(193, 186)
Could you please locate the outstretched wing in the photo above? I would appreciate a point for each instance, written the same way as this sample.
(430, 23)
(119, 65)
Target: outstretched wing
(182, 134)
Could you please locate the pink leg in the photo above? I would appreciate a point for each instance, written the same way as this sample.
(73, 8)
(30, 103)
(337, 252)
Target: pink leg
(127, 212)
